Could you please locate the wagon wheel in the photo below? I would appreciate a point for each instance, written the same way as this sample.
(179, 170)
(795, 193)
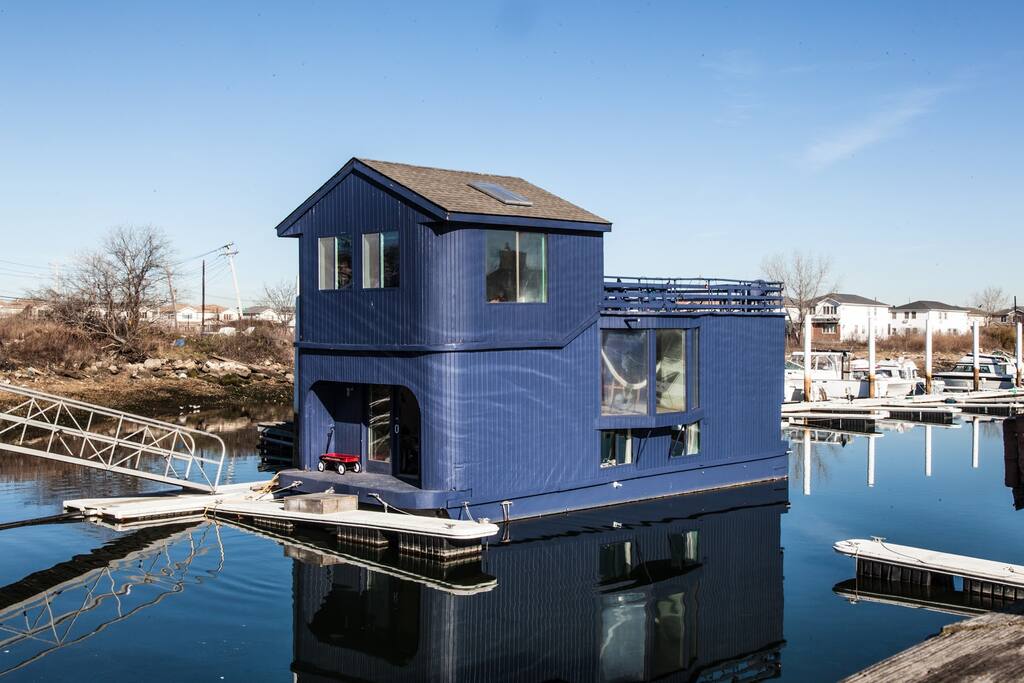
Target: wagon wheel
(357, 468)
(320, 466)
(340, 467)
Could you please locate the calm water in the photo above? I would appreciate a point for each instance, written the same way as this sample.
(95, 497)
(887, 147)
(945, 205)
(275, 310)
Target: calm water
(735, 583)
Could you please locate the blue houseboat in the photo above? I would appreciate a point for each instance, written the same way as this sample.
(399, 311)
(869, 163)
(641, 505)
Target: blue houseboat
(457, 334)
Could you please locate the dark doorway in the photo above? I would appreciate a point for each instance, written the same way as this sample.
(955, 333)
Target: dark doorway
(393, 432)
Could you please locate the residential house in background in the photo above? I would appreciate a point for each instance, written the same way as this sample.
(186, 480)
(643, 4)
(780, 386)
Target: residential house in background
(30, 308)
(182, 314)
(844, 317)
(262, 313)
(978, 315)
(910, 318)
(1011, 315)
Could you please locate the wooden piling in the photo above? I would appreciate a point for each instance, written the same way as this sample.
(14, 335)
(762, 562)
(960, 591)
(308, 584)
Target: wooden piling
(1019, 356)
(807, 462)
(928, 355)
(977, 361)
(871, 358)
(807, 356)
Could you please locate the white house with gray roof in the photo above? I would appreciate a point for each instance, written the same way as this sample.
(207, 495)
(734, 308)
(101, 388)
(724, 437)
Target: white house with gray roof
(844, 317)
(910, 318)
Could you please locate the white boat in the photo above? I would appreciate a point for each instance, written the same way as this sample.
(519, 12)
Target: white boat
(901, 376)
(831, 378)
(995, 371)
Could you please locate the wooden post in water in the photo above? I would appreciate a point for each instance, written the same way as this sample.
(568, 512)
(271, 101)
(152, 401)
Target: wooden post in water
(927, 450)
(871, 462)
(928, 355)
(1019, 354)
(871, 357)
(807, 462)
(807, 356)
(977, 361)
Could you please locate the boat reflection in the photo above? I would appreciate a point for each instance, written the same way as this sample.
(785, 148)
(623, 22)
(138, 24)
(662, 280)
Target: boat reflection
(681, 588)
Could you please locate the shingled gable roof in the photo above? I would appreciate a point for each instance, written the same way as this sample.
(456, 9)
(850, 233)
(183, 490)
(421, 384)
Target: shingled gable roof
(855, 299)
(449, 194)
(925, 305)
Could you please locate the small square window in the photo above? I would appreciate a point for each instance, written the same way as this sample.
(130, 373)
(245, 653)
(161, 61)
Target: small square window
(380, 260)
(616, 447)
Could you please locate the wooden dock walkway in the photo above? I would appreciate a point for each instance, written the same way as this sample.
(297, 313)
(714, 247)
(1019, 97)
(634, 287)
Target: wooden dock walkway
(985, 648)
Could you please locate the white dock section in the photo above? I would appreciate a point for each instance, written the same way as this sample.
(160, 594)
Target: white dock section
(245, 500)
(932, 561)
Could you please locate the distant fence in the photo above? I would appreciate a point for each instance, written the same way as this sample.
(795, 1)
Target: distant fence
(627, 295)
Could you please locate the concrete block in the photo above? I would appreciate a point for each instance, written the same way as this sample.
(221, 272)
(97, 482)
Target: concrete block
(321, 503)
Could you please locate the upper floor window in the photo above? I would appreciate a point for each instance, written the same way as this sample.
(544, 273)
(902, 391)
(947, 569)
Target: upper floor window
(380, 260)
(517, 267)
(335, 262)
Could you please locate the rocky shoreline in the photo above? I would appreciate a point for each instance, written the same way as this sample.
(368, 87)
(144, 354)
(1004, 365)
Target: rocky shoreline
(160, 386)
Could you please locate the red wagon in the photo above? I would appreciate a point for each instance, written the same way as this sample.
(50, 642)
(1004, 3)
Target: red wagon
(339, 462)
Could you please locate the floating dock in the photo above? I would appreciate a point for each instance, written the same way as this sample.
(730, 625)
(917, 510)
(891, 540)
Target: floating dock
(901, 563)
(432, 537)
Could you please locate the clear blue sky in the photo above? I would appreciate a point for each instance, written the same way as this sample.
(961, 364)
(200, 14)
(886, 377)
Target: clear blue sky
(887, 135)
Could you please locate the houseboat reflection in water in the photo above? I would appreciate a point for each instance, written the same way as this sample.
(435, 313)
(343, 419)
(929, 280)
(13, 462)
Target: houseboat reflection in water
(680, 588)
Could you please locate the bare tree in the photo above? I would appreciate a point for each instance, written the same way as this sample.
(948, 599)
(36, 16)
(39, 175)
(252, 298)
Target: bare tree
(111, 292)
(805, 277)
(281, 298)
(991, 299)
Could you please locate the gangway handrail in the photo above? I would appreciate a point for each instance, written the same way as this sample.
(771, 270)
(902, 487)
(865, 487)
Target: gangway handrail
(175, 444)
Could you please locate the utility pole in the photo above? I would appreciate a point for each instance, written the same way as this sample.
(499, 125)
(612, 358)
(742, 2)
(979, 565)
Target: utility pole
(174, 305)
(202, 305)
(231, 252)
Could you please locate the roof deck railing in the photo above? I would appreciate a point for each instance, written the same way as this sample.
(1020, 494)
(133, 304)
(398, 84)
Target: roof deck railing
(638, 295)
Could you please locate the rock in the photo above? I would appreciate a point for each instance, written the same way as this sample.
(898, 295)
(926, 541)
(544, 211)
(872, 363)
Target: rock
(238, 370)
(153, 364)
(289, 377)
(182, 375)
(113, 369)
(32, 372)
(187, 365)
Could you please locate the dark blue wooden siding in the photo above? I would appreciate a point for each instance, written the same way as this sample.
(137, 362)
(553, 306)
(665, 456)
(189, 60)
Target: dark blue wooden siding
(441, 299)
(505, 424)
(545, 620)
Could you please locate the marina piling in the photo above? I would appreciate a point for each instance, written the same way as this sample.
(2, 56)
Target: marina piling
(975, 431)
(975, 358)
(807, 357)
(928, 355)
(871, 358)
(1019, 355)
(928, 450)
(871, 461)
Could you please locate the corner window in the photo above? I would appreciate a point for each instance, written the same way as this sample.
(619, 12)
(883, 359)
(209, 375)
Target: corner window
(685, 440)
(517, 267)
(335, 262)
(624, 372)
(670, 371)
(616, 447)
(380, 260)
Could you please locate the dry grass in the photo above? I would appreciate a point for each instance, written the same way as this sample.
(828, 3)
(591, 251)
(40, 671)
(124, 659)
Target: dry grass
(42, 343)
(992, 338)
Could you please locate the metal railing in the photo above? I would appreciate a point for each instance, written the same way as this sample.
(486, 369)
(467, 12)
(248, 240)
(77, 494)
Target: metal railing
(72, 431)
(633, 295)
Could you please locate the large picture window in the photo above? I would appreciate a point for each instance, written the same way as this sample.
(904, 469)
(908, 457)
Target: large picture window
(380, 260)
(517, 267)
(624, 377)
(335, 262)
(670, 371)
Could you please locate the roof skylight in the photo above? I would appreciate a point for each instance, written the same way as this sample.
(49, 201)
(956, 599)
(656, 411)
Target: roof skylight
(502, 194)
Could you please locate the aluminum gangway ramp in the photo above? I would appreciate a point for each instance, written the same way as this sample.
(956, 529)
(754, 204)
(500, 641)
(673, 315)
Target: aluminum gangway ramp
(89, 435)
